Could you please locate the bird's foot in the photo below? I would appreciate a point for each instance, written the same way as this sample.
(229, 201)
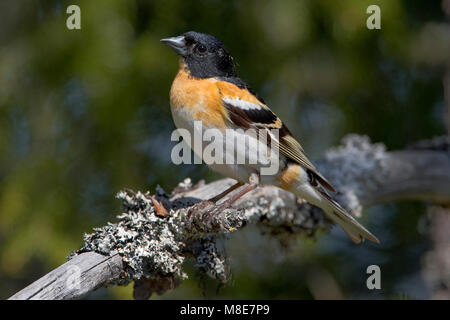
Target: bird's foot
(203, 205)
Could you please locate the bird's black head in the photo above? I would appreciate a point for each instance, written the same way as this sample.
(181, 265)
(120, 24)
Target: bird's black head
(204, 55)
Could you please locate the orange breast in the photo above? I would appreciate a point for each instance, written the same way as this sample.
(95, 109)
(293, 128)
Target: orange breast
(199, 98)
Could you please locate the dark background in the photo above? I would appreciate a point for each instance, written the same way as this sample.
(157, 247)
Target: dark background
(85, 113)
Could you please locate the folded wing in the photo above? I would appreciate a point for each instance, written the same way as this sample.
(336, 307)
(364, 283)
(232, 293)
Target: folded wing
(245, 110)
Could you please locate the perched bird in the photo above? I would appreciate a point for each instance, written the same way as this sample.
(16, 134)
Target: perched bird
(208, 90)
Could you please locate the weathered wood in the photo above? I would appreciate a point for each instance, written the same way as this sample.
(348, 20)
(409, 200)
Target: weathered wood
(410, 174)
(414, 175)
(74, 279)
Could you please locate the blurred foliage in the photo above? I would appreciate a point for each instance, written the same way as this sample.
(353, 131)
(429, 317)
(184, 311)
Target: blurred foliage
(85, 113)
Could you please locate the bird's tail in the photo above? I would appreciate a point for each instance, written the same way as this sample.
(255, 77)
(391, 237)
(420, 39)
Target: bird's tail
(315, 195)
(339, 215)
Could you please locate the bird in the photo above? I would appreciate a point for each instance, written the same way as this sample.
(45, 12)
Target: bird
(207, 90)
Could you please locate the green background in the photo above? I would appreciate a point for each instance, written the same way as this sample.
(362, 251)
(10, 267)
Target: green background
(85, 113)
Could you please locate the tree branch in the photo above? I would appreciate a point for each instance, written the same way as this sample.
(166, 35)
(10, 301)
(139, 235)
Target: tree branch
(150, 250)
(74, 279)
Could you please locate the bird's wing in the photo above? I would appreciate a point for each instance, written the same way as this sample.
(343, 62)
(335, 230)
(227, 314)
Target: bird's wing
(245, 110)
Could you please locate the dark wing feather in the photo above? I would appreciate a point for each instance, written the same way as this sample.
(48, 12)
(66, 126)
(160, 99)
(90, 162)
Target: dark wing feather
(248, 115)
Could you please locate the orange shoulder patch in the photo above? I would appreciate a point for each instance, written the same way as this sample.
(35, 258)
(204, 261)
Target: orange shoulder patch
(229, 90)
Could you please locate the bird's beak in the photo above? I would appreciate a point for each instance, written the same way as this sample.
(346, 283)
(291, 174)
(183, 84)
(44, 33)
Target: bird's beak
(177, 44)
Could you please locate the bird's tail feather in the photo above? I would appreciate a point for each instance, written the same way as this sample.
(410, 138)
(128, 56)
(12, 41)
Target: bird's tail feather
(339, 215)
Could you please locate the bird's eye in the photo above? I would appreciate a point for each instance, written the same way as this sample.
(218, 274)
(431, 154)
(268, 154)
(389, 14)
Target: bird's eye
(201, 48)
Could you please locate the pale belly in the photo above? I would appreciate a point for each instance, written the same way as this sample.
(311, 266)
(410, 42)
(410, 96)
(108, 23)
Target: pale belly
(230, 152)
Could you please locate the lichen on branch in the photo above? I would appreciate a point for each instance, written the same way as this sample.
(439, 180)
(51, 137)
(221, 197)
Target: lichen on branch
(154, 247)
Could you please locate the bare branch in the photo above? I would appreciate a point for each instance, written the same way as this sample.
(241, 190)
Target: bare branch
(74, 279)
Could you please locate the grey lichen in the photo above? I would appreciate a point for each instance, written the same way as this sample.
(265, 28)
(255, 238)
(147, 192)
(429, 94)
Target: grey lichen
(212, 260)
(284, 216)
(154, 247)
(355, 168)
